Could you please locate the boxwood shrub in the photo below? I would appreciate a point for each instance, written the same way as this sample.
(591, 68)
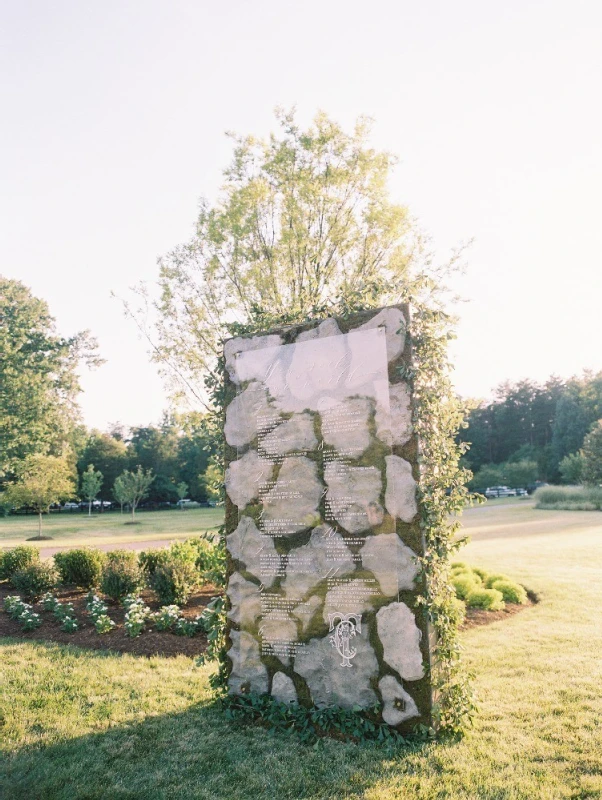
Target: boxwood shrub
(17, 558)
(512, 592)
(80, 567)
(486, 599)
(121, 574)
(174, 580)
(35, 579)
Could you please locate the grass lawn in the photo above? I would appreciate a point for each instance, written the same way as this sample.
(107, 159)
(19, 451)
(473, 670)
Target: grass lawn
(76, 528)
(80, 725)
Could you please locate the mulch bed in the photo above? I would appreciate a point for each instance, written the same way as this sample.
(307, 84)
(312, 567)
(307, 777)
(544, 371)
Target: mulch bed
(149, 643)
(476, 616)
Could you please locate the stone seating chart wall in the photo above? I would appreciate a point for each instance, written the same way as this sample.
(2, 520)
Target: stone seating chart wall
(322, 521)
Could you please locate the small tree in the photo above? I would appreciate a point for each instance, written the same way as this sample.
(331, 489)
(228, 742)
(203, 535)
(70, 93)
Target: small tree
(91, 483)
(592, 455)
(520, 474)
(182, 491)
(119, 492)
(571, 468)
(41, 482)
(134, 486)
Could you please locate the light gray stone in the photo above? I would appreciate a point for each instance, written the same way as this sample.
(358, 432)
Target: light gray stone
(394, 423)
(393, 564)
(278, 626)
(246, 601)
(398, 705)
(332, 684)
(400, 494)
(345, 426)
(400, 638)
(247, 667)
(248, 545)
(325, 552)
(292, 504)
(326, 328)
(393, 320)
(246, 369)
(350, 596)
(245, 477)
(296, 433)
(315, 369)
(283, 688)
(353, 495)
(243, 415)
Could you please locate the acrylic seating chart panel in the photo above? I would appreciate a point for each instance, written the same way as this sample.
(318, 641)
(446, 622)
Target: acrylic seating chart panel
(322, 519)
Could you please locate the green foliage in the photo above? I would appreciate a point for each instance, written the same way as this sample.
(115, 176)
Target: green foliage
(69, 624)
(34, 580)
(150, 559)
(211, 556)
(41, 482)
(108, 454)
(511, 592)
(136, 616)
(166, 617)
(80, 567)
(485, 599)
(13, 605)
(174, 580)
(592, 456)
(570, 498)
(463, 583)
(185, 627)
(17, 558)
(38, 376)
(571, 468)
(95, 607)
(438, 417)
(132, 487)
(212, 621)
(121, 574)
(312, 724)
(49, 601)
(90, 484)
(492, 577)
(103, 624)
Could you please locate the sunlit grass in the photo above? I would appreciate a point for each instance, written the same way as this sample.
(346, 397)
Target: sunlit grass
(75, 528)
(78, 725)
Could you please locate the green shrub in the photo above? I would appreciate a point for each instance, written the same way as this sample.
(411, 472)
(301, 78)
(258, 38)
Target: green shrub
(185, 551)
(459, 566)
(487, 599)
(166, 617)
(149, 560)
(569, 498)
(493, 577)
(511, 592)
(103, 624)
(17, 558)
(136, 617)
(464, 582)
(121, 574)
(174, 581)
(69, 624)
(34, 580)
(81, 567)
(481, 573)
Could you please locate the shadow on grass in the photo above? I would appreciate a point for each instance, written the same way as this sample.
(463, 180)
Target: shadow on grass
(195, 754)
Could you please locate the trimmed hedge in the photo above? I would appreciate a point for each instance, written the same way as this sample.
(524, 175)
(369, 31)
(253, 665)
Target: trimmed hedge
(81, 567)
(17, 558)
(35, 580)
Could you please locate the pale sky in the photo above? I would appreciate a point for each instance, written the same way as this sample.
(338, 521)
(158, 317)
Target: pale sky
(113, 117)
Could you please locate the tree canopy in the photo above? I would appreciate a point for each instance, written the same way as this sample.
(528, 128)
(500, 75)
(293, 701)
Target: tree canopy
(38, 376)
(303, 226)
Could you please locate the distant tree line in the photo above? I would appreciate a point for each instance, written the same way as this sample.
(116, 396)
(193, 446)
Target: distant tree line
(535, 432)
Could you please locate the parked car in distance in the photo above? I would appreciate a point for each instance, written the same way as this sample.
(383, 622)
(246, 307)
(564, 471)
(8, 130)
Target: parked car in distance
(503, 491)
(96, 504)
(70, 506)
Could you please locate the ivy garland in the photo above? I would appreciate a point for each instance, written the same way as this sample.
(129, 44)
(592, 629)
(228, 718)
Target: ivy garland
(438, 416)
